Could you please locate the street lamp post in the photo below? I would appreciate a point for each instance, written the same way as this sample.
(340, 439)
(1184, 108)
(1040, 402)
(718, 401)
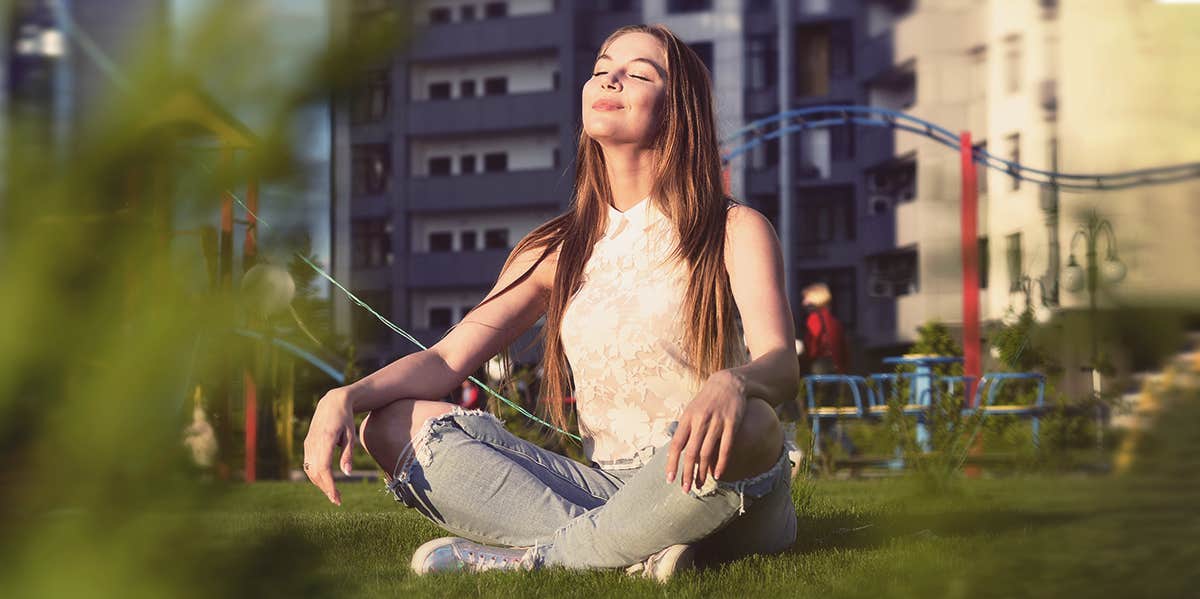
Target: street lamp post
(1075, 279)
(1041, 312)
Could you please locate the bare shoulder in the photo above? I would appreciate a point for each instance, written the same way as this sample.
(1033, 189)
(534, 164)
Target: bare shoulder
(747, 228)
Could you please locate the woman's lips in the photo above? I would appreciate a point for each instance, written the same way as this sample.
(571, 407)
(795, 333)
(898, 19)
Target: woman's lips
(606, 105)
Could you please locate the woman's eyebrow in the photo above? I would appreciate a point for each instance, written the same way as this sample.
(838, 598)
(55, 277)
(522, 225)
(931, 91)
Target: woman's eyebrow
(645, 60)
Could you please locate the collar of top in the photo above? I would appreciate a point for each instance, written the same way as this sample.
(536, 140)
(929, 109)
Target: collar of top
(639, 216)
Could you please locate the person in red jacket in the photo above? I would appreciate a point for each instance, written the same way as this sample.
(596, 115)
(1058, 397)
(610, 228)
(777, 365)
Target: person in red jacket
(824, 350)
(824, 339)
(469, 399)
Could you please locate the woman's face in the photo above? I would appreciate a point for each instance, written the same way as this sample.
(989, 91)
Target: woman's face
(622, 99)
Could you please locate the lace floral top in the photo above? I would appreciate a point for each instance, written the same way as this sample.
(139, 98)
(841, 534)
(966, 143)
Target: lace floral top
(622, 333)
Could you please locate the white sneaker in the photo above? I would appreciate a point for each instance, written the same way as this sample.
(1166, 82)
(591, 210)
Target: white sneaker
(663, 565)
(455, 554)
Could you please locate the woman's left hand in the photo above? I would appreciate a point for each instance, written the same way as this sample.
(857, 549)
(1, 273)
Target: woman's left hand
(706, 429)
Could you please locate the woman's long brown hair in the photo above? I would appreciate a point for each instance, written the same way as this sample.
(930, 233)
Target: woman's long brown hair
(687, 187)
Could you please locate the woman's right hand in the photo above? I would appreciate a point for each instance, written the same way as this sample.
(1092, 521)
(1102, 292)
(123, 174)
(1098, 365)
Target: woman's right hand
(332, 426)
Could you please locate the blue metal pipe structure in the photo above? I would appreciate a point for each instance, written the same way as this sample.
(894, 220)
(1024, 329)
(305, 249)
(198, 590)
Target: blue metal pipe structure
(299, 352)
(816, 117)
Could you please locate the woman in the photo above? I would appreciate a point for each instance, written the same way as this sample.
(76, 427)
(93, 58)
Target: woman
(637, 282)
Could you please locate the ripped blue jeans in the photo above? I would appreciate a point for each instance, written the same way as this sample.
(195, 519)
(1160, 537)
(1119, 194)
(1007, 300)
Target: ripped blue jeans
(465, 472)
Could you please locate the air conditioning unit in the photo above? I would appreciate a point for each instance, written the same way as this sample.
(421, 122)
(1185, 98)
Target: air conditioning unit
(878, 204)
(877, 182)
(879, 287)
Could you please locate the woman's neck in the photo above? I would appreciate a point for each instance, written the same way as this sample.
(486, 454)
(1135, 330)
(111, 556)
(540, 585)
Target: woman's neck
(630, 175)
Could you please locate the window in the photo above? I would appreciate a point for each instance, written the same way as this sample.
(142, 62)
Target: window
(893, 274)
(441, 241)
(367, 329)
(495, 10)
(981, 171)
(495, 86)
(468, 241)
(979, 76)
(705, 51)
(370, 100)
(439, 15)
(439, 90)
(370, 168)
(1014, 156)
(495, 239)
(842, 142)
(984, 262)
(823, 51)
(439, 166)
(616, 5)
(466, 88)
(371, 243)
(495, 163)
(466, 12)
(440, 317)
(466, 164)
(827, 215)
(674, 6)
(762, 62)
(1014, 258)
(1012, 64)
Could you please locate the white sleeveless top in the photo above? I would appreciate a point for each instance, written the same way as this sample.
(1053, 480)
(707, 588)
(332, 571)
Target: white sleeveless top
(622, 333)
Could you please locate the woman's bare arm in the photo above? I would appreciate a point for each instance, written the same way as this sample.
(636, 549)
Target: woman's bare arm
(430, 373)
(434, 372)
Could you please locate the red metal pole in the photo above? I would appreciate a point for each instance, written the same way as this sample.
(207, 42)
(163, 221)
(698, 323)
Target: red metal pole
(249, 389)
(972, 365)
(251, 395)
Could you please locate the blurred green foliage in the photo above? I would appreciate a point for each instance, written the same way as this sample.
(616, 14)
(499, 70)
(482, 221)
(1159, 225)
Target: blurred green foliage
(104, 335)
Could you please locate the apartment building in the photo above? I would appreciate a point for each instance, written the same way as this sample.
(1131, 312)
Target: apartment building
(453, 151)
(1077, 86)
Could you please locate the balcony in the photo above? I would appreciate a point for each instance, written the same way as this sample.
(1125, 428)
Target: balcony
(428, 270)
(491, 37)
(875, 56)
(489, 191)
(540, 110)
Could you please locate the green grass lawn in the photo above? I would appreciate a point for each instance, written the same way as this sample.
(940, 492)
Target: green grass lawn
(121, 532)
(1052, 536)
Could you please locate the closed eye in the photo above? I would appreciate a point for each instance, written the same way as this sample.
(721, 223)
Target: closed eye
(598, 73)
